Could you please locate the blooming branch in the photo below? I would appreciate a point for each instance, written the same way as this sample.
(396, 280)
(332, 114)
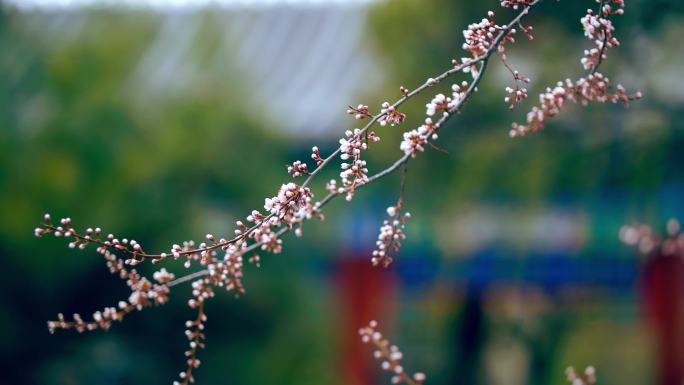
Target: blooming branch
(222, 260)
(392, 230)
(595, 87)
(390, 355)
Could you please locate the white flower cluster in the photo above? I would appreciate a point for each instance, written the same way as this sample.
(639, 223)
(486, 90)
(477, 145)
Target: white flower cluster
(163, 276)
(390, 115)
(390, 237)
(438, 103)
(445, 103)
(415, 139)
(479, 36)
(291, 206)
(354, 171)
(599, 29)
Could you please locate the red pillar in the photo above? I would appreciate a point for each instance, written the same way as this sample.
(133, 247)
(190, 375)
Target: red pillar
(364, 293)
(663, 286)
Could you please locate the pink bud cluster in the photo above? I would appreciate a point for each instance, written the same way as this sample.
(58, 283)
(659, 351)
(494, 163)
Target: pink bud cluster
(291, 206)
(479, 36)
(291, 203)
(92, 236)
(390, 355)
(195, 330)
(515, 95)
(576, 378)
(480, 39)
(316, 155)
(228, 272)
(359, 112)
(101, 319)
(191, 252)
(297, 169)
(599, 29)
(518, 93)
(354, 171)
(389, 115)
(390, 237)
(647, 241)
(593, 88)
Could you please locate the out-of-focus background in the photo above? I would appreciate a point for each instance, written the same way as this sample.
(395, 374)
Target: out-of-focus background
(164, 120)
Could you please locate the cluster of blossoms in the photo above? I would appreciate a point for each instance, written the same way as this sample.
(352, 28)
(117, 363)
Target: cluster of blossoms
(354, 172)
(195, 330)
(290, 207)
(593, 88)
(480, 36)
(390, 237)
(203, 254)
(292, 203)
(316, 155)
(390, 115)
(515, 4)
(359, 112)
(415, 139)
(297, 169)
(445, 103)
(599, 29)
(517, 94)
(647, 241)
(576, 378)
(390, 355)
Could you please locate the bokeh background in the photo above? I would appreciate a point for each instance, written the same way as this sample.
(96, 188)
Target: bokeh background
(164, 120)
